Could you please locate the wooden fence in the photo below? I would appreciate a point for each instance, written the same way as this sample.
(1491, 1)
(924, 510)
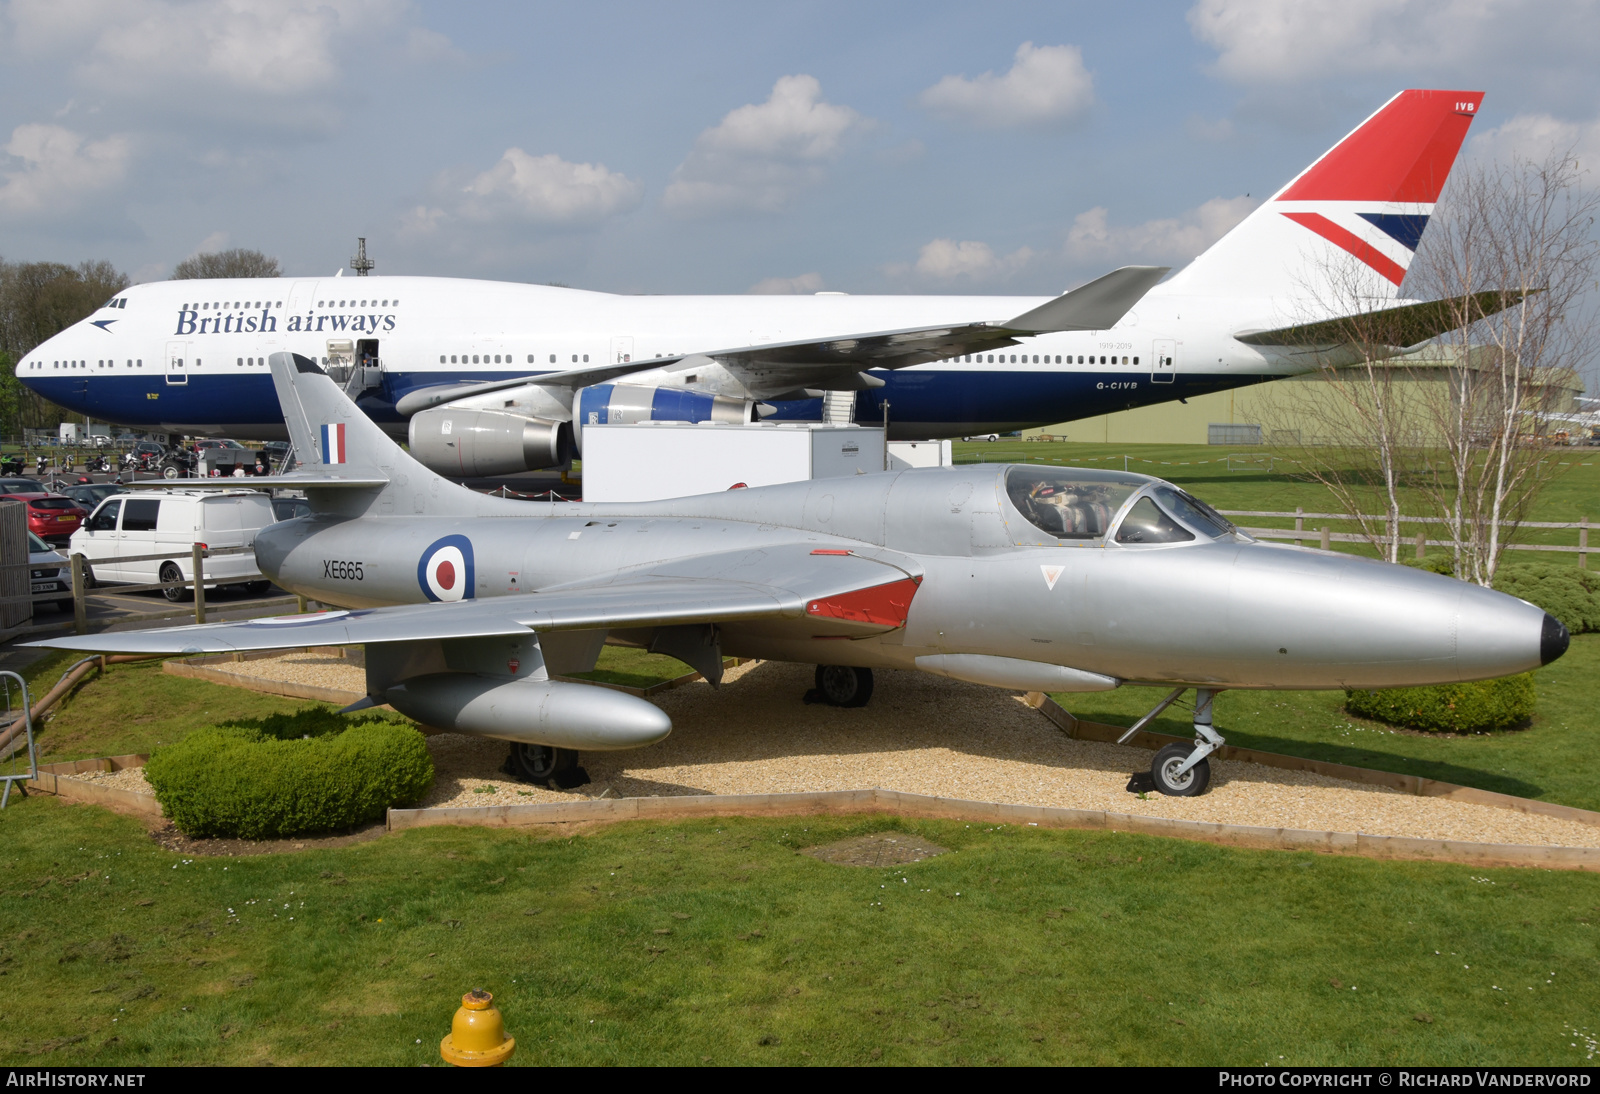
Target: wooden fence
(1299, 533)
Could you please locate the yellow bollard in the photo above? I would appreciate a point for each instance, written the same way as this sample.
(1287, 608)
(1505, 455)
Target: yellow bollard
(477, 1036)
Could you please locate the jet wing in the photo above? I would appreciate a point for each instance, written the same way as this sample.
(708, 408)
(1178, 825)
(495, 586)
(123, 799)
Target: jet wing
(1405, 326)
(818, 591)
(837, 362)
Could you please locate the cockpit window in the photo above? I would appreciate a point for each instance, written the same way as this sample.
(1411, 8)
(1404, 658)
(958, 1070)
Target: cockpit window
(1146, 523)
(1069, 503)
(1193, 512)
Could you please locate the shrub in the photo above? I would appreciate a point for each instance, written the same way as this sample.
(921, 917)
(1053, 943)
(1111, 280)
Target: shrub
(1566, 592)
(289, 774)
(1450, 708)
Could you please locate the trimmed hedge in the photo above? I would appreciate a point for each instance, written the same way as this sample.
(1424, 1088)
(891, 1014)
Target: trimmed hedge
(1482, 705)
(1566, 592)
(288, 774)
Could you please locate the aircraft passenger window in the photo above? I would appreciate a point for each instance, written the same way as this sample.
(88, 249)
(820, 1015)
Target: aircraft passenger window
(441, 358)
(1069, 503)
(385, 304)
(241, 362)
(586, 358)
(1194, 512)
(397, 303)
(1136, 360)
(1146, 523)
(574, 358)
(552, 358)
(497, 358)
(530, 358)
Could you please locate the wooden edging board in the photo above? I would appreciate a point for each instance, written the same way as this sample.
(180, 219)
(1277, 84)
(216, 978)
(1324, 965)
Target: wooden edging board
(899, 803)
(123, 801)
(1081, 730)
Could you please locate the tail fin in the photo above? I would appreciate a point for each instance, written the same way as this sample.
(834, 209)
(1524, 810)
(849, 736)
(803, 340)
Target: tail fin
(1349, 224)
(347, 464)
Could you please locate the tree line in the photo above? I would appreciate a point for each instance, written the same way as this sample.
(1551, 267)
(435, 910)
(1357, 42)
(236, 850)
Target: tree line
(40, 299)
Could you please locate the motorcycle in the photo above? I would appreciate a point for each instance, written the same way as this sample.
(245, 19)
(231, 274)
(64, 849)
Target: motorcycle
(11, 466)
(99, 463)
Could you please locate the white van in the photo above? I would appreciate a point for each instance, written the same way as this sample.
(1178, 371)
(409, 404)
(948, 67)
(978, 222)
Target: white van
(155, 521)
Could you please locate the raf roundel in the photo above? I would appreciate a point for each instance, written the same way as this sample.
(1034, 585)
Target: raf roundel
(445, 571)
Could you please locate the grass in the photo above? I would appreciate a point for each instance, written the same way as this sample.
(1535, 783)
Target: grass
(635, 668)
(714, 942)
(1552, 759)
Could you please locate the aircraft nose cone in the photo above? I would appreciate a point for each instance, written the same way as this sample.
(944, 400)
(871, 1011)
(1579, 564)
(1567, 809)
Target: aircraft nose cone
(1553, 639)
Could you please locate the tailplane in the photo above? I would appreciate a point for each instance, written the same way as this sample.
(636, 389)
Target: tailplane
(1347, 227)
(347, 465)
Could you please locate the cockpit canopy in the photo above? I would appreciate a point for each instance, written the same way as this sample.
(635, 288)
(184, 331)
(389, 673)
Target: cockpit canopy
(1073, 503)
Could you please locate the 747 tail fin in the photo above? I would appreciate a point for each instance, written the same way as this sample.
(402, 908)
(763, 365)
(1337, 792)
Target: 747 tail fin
(1348, 225)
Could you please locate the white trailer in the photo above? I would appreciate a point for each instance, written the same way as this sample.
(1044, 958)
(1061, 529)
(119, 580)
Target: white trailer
(648, 461)
(907, 454)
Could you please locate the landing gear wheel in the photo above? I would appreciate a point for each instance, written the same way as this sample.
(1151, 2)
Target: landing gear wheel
(545, 765)
(844, 685)
(1191, 783)
(170, 572)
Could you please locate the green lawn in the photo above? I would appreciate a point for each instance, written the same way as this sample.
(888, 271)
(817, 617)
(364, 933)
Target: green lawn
(714, 942)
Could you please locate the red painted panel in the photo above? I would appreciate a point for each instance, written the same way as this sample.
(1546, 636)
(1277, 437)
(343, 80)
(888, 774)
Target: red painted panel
(1402, 153)
(881, 605)
(1341, 237)
(829, 551)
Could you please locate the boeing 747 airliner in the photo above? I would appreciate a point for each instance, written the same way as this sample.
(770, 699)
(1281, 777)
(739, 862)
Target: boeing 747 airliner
(493, 378)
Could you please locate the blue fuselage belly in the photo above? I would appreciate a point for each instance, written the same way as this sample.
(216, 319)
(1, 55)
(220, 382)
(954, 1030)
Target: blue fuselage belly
(943, 397)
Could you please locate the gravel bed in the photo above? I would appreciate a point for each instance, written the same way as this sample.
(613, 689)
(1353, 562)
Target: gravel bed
(129, 778)
(929, 735)
(318, 669)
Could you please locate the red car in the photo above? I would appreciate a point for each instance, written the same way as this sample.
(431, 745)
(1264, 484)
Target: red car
(51, 516)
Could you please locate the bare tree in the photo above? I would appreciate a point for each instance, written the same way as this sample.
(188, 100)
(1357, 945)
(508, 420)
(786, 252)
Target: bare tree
(1522, 232)
(1351, 423)
(236, 262)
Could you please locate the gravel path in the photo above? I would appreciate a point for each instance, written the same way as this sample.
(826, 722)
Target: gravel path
(928, 735)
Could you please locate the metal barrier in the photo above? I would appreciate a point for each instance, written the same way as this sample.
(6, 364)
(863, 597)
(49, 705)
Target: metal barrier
(16, 689)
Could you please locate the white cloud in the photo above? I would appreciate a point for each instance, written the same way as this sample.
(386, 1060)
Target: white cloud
(945, 260)
(211, 244)
(548, 190)
(1273, 42)
(218, 56)
(787, 286)
(1175, 239)
(761, 155)
(1534, 136)
(1046, 85)
(54, 169)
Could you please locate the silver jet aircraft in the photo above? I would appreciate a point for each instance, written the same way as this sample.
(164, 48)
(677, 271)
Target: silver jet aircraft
(1021, 577)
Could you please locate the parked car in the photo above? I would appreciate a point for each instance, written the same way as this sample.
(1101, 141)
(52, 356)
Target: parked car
(133, 525)
(52, 517)
(290, 508)
(21, 486)
(49, 572)
(91, 494)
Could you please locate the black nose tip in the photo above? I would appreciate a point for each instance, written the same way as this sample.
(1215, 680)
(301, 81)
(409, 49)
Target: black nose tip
(1553, 640)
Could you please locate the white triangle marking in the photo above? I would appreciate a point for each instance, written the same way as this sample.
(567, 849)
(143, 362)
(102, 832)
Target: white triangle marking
(1051, 574)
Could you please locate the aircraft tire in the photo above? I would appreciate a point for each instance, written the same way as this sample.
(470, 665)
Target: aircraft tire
(545, 765)
(1191, 783)
(844, 685)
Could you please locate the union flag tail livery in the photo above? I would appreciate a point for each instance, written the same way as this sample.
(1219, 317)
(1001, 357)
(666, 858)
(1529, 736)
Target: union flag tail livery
(1347, 226)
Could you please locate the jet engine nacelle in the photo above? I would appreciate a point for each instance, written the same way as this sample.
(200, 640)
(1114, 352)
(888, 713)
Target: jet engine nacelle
(543, 712)
(468, 443)
(622, 404)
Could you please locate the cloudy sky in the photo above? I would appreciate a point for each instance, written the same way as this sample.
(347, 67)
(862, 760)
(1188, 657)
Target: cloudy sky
(725, 147)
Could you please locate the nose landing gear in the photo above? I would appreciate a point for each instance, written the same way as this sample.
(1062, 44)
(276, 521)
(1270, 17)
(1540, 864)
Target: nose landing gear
(1179, 770)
